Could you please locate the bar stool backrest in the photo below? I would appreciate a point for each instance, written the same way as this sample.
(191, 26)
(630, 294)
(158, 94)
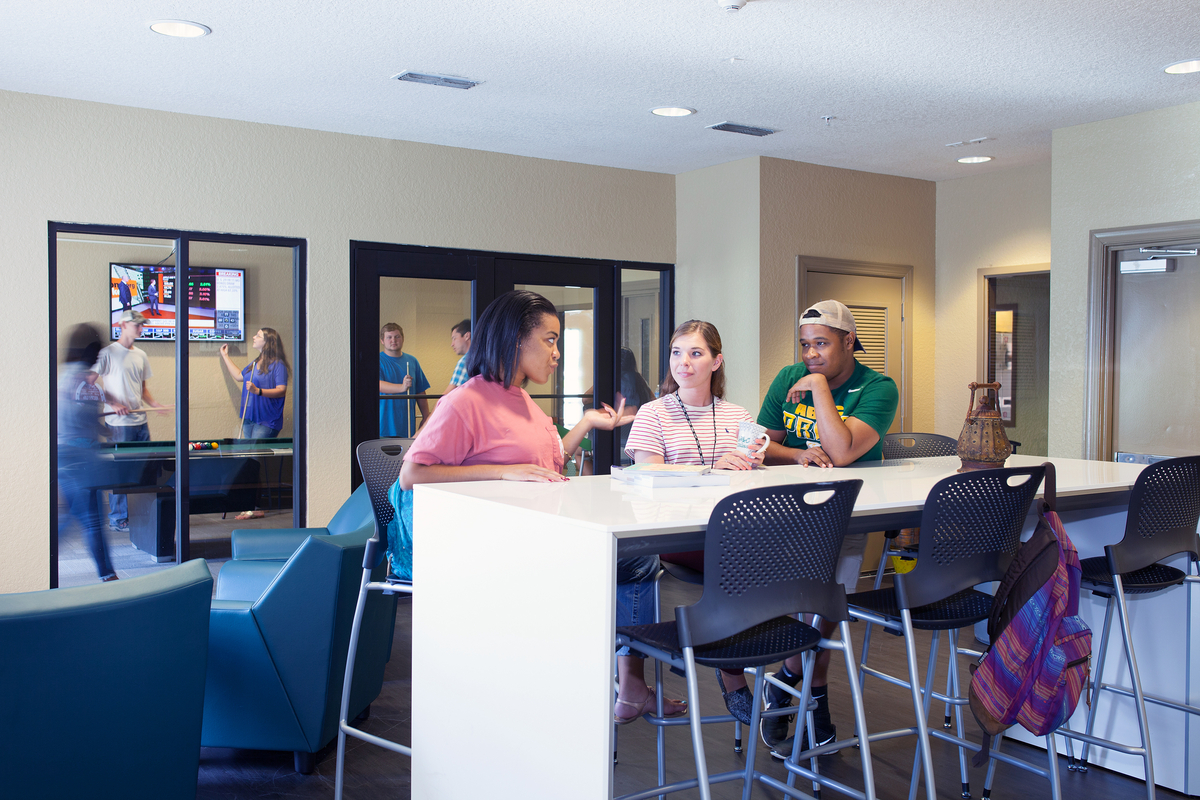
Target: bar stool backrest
(918, 445)
(380, 461)
(1164, 508)
(770, 552)
(970, 531)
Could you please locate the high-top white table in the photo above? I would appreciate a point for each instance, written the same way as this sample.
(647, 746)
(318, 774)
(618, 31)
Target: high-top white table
(513, 607)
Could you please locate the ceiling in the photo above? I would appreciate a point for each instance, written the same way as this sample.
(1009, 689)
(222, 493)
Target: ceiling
(574, 80)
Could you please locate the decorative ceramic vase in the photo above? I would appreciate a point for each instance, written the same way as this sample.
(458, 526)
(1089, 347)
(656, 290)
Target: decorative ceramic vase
(983, 444)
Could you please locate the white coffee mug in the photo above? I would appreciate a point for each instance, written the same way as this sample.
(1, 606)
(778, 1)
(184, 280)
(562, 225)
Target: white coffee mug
(748, 435)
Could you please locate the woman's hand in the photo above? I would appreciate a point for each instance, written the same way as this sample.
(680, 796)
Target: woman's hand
(734, 459)
(606, 417)
(225, 350)
(250, 387)
(815, 456)
(530, 473)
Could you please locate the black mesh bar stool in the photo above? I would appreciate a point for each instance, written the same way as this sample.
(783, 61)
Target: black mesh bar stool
(1164, 509)
(970, 531)
(909, 445)
(768, 553)
(380, 461)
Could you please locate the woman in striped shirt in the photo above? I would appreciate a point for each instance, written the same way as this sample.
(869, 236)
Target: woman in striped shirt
(690, 423)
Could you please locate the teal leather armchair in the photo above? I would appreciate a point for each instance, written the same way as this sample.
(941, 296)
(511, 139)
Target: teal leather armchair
(278, 640)
(278, 544)
(102, 687)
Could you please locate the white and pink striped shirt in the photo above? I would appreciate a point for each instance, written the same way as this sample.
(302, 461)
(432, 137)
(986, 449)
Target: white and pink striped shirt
(661, 428)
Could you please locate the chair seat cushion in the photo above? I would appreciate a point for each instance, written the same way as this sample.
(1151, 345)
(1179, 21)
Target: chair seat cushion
(767, 643)
(956, 611)
(1153, 578)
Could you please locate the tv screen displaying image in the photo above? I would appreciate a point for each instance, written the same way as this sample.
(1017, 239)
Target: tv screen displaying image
(216, 301)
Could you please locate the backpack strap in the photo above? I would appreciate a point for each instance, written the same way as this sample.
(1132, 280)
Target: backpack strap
(1049, 496)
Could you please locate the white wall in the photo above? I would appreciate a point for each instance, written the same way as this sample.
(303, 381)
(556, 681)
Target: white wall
(1137, 170)
(1000, 219)
(72, 161)
(717, 265)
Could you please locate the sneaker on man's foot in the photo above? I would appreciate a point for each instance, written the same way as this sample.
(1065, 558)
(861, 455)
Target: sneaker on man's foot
(775, 729)
(783, 750)
(119, 527)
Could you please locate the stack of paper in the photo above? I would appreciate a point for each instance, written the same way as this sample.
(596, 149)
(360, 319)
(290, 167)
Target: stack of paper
(663, 475)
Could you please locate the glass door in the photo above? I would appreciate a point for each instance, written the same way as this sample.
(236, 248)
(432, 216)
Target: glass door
(148, 432)
(582, 293)
(428, 292)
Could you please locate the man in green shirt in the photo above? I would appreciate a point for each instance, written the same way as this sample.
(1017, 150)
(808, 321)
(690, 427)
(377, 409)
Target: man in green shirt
(828, 411)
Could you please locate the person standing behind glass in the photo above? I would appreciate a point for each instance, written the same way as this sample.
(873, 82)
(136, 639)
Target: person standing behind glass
(399, 373)
(80, 470)
(633, 389)
(264, 385)
(125, 368)
(460, 343)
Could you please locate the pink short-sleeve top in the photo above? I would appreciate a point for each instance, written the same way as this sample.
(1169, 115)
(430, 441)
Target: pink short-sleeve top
(481, 422)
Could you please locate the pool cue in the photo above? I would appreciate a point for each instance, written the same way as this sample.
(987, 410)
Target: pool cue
(409, 412)
(141, 410)
(242, 427)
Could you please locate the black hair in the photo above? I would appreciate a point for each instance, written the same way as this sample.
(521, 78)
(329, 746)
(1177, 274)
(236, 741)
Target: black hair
(503, 325)
(83, 345)
(462, 328)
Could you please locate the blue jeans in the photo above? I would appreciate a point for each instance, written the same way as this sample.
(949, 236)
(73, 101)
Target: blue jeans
(118, 507)
(635, 593)
(252, 430)
(79, 472)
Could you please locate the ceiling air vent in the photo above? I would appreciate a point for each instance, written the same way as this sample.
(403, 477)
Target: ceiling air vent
(733, 127)
(437, 80)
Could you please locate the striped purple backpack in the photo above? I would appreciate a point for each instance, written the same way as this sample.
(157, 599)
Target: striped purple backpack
(1038, 661)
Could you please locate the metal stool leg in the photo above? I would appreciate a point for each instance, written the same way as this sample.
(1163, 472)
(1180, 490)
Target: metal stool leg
(1139, 698)
(1097, 679)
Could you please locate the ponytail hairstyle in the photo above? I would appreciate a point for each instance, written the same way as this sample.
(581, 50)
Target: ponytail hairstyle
(712, 339)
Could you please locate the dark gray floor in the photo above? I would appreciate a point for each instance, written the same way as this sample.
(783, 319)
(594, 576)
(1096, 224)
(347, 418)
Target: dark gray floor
(375, 773)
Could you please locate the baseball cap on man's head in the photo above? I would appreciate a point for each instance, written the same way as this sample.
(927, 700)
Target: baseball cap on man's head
(833, 314)
(133, 316)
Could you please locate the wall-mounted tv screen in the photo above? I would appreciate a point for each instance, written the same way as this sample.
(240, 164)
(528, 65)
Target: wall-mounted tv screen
(216, 301)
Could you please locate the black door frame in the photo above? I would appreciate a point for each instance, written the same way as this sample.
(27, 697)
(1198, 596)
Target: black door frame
(183, 239)
(491, 273)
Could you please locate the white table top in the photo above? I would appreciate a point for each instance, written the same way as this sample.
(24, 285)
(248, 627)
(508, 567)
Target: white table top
(889, 487)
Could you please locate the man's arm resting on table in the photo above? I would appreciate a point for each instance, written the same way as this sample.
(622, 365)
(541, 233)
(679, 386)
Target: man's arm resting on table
(862, 438)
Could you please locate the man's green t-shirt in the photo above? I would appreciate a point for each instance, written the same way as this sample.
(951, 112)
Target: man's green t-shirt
(867, 396)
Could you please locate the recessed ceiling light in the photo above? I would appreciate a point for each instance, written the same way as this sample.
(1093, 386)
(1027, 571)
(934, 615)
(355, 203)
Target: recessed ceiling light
(180, 28)
(1183, 67)
(671, 111)
(974, 159)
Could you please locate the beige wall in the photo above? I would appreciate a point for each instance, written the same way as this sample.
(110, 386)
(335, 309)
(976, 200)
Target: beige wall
(83, 162)
(1138, 170)
(1001, 219)
(741, 226)
(717, 265)
(839, 213)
